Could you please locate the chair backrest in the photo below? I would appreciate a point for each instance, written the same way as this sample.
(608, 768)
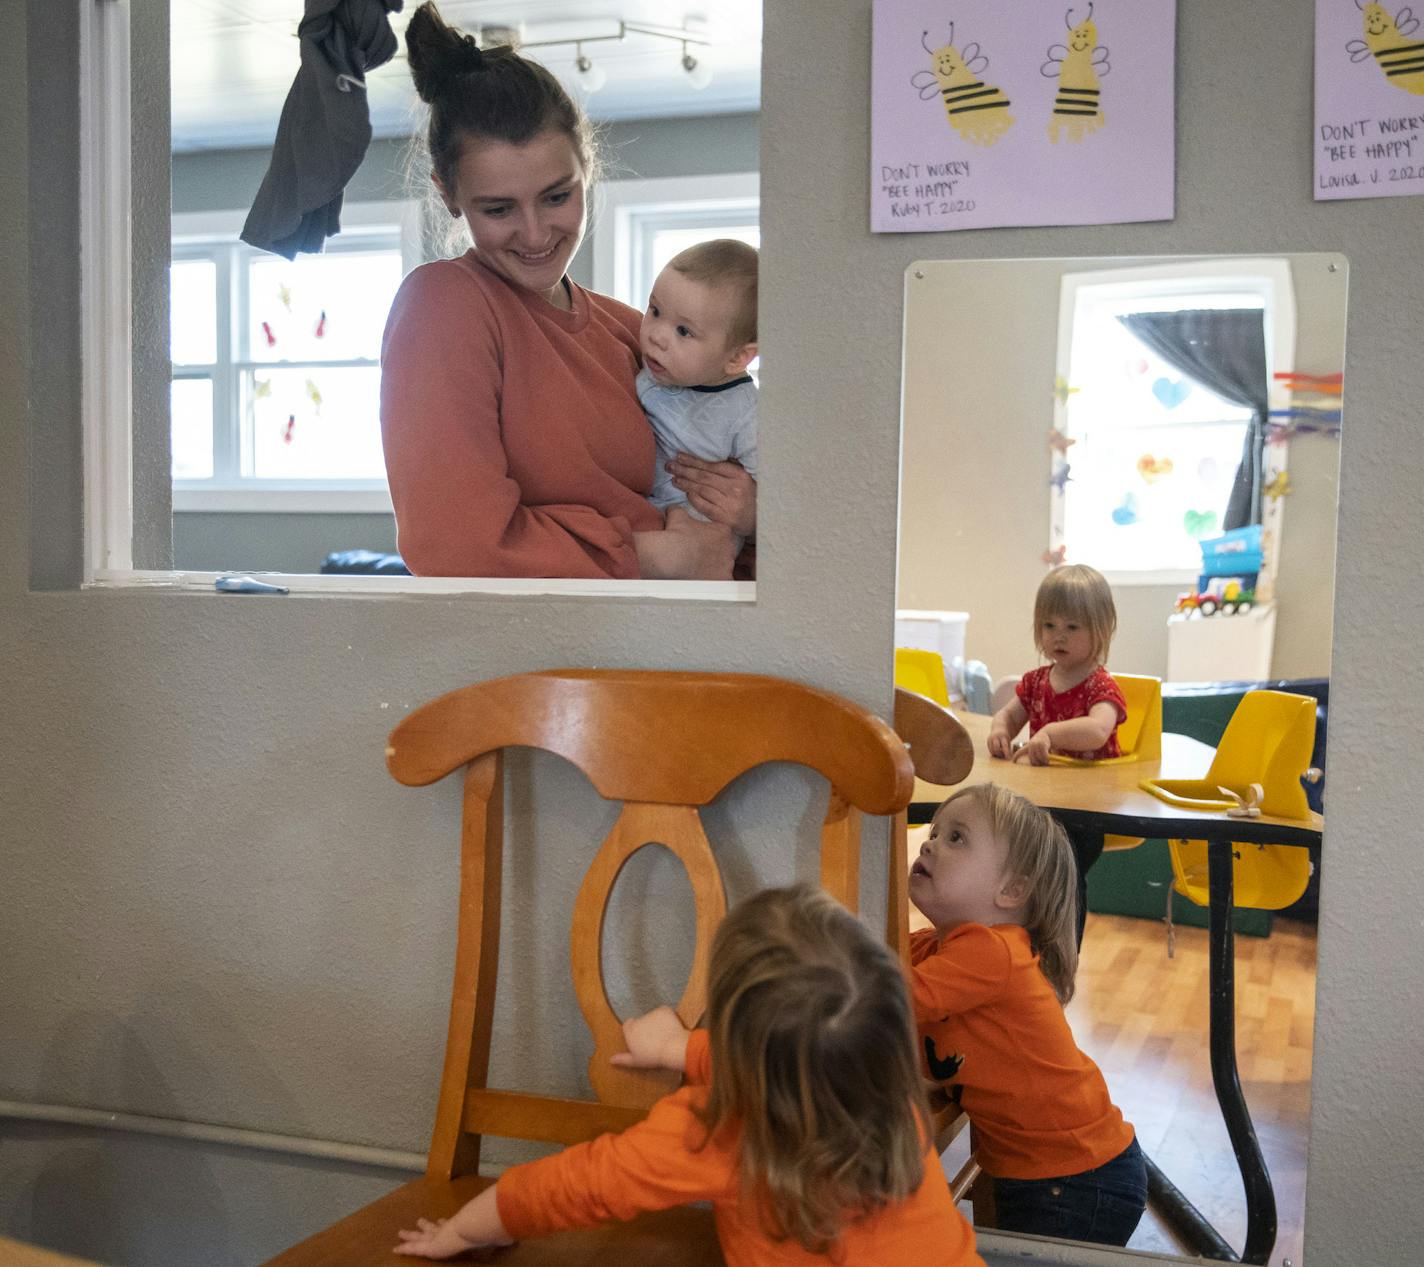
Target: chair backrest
(1268, 741)
(943, 754)
(1140, 736)
(663, 743)
(921, 672)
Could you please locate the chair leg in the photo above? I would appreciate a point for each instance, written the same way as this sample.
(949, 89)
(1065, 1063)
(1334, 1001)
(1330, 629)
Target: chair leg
(965, 1180)
(981, 1197)
(897, 891)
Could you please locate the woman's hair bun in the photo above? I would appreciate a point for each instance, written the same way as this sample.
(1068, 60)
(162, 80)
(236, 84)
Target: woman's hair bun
(438, 53)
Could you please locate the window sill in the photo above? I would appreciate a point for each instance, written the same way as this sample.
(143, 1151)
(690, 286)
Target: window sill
(289, 500)
(444, 586)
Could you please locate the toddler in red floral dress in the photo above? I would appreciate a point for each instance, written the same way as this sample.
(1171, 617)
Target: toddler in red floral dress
(1072, 704)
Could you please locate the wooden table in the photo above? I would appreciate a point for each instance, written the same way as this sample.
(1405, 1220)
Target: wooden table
(1107, 800)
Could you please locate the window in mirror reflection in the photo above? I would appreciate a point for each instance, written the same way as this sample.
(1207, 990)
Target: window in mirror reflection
(1156, 444)
(1139, 424)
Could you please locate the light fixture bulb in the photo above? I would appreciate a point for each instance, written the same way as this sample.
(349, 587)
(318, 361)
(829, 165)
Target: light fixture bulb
(699, 74)
(590, 78)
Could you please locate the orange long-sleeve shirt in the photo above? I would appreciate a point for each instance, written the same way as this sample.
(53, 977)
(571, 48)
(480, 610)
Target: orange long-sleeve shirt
(514, 441)
(663, 1162)
(993, 1028)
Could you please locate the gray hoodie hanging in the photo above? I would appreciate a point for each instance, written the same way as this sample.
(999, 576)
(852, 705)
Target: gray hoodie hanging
(325, 125)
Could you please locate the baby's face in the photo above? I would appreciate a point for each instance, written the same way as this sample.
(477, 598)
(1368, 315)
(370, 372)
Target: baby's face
(685, 333)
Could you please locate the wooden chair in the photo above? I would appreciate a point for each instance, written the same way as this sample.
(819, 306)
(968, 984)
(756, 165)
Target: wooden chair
(942, 753)
(665, 744)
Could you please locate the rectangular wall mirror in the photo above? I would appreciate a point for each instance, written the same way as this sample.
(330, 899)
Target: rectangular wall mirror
(1142, 415)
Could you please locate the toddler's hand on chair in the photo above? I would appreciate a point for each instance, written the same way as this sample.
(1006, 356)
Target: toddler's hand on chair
(434, 1239)
(655, 1041)
(476, 1225)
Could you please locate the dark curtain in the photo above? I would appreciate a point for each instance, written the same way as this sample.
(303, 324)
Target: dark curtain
(1223, 349)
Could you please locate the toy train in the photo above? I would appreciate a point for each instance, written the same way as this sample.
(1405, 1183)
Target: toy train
(1230, 565)
(1229, 599)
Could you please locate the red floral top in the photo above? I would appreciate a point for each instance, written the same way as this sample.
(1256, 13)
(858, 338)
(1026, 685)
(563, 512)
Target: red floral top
(1043, 704)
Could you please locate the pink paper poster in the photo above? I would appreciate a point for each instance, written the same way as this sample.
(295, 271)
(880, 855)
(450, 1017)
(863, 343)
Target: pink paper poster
(985, 114)
(1369, 101)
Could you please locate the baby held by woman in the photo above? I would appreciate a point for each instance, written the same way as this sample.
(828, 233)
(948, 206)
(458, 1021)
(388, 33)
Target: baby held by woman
(698, 335)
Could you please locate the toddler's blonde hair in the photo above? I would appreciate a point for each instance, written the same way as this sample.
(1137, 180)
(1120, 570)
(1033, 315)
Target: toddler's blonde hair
(1079, 593)
(1040, 855)
(813, 1056)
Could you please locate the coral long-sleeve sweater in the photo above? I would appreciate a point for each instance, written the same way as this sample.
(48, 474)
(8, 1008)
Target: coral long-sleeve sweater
(667, 1160)
(515, 444)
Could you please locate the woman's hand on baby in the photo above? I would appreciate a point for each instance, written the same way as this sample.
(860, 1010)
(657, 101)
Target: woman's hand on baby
(1035, 751)
(723, 491)
(707, 550)
(657, 1040)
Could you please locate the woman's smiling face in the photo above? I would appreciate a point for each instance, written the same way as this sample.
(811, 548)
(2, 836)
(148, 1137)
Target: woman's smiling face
(525, 208)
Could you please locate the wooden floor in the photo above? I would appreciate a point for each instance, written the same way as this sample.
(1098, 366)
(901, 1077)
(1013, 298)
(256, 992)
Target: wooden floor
(1143, 1018)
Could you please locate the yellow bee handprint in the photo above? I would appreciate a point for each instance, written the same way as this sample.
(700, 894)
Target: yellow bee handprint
(977, 111)
(1402, 60)
(1078, 66)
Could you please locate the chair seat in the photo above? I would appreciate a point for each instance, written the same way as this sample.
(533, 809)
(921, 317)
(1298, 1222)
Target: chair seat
(681, 1237)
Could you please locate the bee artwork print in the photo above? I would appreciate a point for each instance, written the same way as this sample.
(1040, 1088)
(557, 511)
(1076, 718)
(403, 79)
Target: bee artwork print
(1400, 58)
(1078, 66)
(976, 110)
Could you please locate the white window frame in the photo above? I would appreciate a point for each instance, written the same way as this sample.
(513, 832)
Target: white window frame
(194, 234)
(106, 340)
(1268, 279)
(627, 209)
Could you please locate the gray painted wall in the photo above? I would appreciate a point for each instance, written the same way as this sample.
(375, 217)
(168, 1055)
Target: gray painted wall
(219, 907)
(224, 179)
(250, 542)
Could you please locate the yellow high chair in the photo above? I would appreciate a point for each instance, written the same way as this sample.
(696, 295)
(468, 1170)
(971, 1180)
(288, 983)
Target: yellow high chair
(921, 672)
(1262, 757)
(1139, 738)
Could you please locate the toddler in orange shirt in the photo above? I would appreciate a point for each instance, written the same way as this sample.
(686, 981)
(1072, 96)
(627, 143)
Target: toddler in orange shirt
(802, 1119)
(996, 878)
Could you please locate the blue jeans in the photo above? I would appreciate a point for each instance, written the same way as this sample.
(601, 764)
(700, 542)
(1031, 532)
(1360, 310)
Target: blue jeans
(1101, 1205)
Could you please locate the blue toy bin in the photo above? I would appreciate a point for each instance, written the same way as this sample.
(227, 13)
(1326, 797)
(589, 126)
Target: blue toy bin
(1234, 553)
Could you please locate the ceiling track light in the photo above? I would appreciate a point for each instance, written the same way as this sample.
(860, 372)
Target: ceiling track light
(590, 77)
(699, 75)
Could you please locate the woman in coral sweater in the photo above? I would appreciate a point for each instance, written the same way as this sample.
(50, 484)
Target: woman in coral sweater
(514, 441)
